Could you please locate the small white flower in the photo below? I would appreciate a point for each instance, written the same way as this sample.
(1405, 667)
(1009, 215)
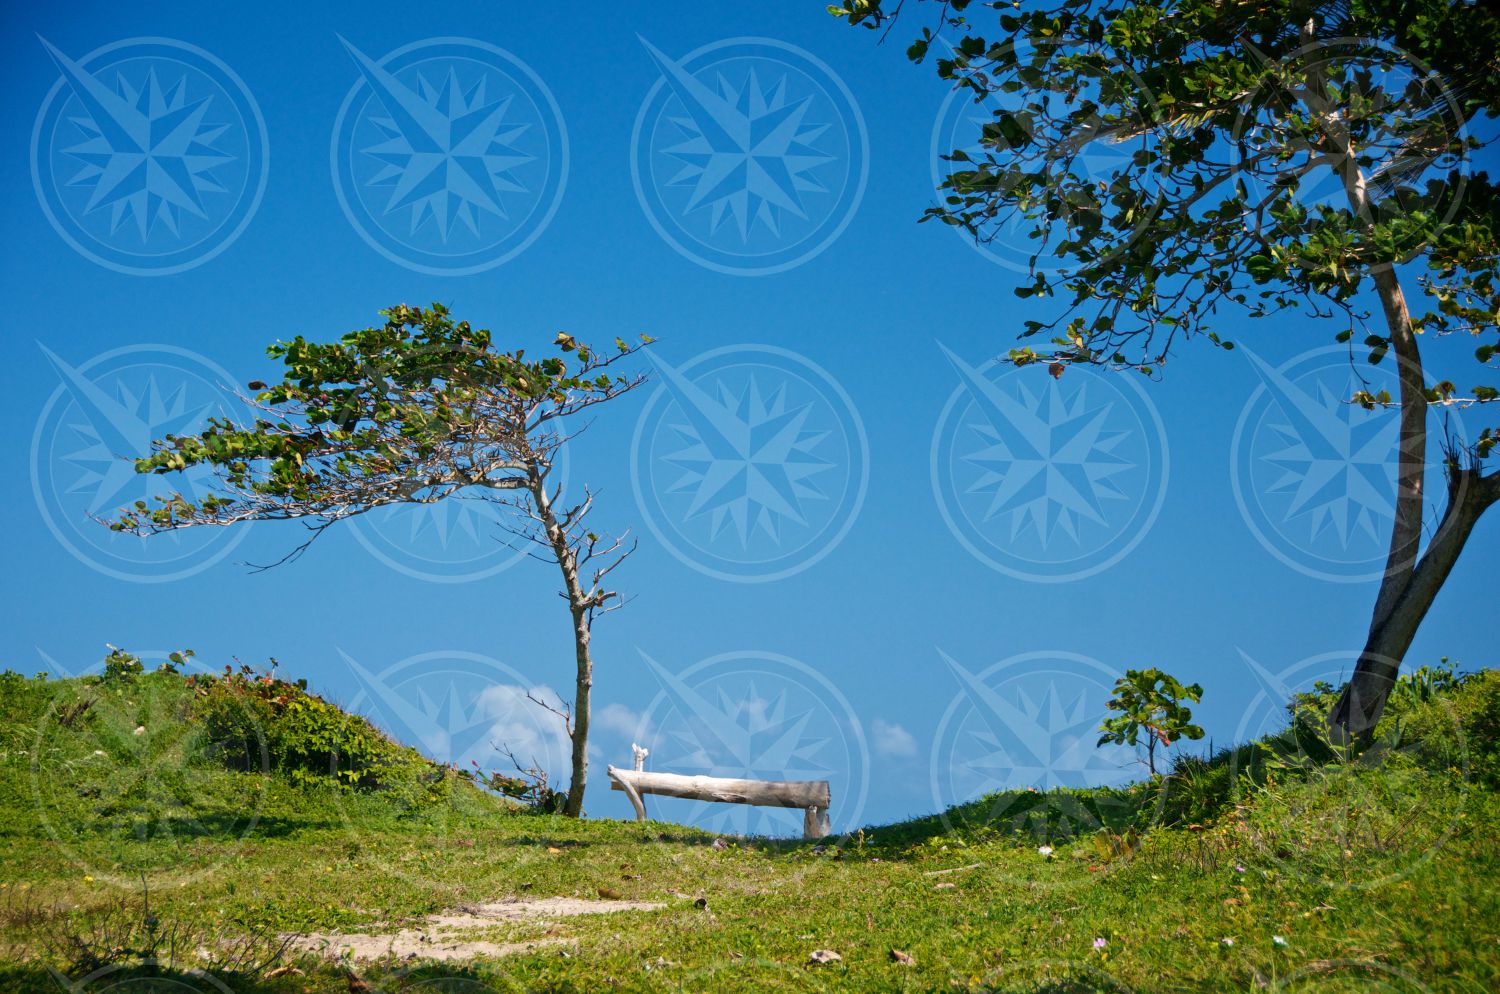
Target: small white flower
(140, 730)
(1044, 850)
(1227, 941)
(1277, 940)
(98, 752)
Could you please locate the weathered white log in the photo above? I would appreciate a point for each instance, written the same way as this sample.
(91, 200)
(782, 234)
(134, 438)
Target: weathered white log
(813, 796)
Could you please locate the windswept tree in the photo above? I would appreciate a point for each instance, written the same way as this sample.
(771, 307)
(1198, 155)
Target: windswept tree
(1172, 159)
(415, 411)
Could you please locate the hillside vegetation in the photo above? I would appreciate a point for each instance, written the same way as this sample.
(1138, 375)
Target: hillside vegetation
(188, 828)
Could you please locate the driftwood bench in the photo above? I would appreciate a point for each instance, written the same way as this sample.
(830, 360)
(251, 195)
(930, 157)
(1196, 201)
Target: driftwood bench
(812, 796)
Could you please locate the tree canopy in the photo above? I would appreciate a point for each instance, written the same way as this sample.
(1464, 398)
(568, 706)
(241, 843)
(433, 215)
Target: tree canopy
(1305, 156)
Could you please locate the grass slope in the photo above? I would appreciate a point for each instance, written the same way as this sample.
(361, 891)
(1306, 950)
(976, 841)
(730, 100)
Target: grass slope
(153, 826)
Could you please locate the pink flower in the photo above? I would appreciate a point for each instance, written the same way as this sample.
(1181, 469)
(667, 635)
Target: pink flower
(1099, 943)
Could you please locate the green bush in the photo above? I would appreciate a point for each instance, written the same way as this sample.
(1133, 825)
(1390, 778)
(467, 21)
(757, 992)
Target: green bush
(1459, 728)
(259, 721)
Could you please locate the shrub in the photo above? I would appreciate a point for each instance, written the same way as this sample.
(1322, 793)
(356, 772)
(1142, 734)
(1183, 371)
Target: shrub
(257, 719)
(1151, 701)
(1461, 726)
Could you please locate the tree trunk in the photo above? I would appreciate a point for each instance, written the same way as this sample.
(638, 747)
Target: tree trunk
(578, 603)
(582, 687)
(1359, 708)
(1364, 698)
(1375, 673)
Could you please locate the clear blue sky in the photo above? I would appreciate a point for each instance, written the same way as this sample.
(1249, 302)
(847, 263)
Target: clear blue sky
(911, 520)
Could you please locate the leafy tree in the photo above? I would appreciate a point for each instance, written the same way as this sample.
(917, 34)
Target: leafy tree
(414, 411)
(1151, 701)
(1266, 155)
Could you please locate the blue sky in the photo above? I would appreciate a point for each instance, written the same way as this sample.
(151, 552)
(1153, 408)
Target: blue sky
(919, 585)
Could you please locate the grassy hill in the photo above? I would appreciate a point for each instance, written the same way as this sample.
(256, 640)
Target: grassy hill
(155, 825)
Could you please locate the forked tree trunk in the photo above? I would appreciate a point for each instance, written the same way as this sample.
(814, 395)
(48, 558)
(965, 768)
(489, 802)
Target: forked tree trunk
(1395, 624)
(1409, 583)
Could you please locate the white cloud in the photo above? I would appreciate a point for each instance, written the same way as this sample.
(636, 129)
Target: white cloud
(524, 727)
(892, 740)
(622, 721)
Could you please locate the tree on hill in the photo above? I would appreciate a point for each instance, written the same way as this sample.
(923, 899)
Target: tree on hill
(1267, 155)
(418, 410)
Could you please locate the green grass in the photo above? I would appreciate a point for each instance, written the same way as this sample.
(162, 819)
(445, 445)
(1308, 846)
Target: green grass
(183, 847)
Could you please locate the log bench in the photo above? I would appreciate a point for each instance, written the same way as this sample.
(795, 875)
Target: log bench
(812, 796)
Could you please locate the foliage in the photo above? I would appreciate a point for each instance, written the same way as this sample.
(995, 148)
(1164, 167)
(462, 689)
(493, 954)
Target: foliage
(1460, 728)
(1151, 701)
(121, 665)
(412, 411)
(529, 785)
(1170, 160)
(967, 899)
(1231, 123)
(262, 722)
(417, 410)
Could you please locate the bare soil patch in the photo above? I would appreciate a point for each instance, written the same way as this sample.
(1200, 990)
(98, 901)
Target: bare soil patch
(445, 936)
